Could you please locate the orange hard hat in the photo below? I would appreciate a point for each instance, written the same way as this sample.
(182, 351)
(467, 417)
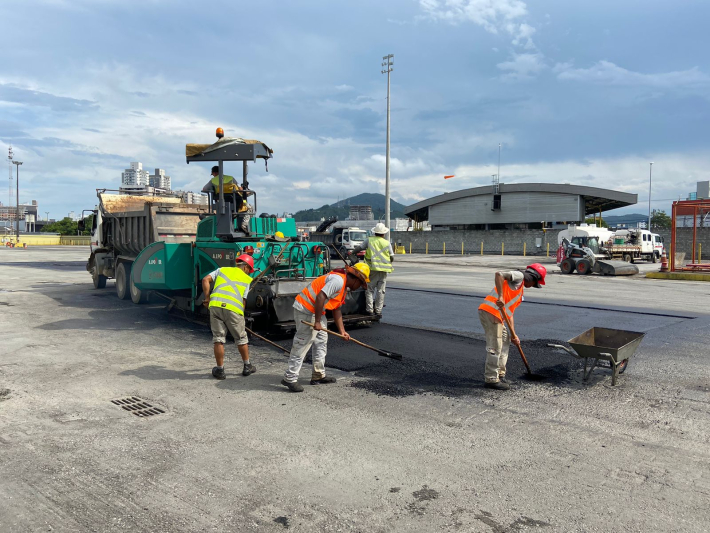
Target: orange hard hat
(249, 260)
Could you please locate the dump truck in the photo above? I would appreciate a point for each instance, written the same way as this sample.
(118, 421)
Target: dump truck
(123, 225)
(172, 268)
(341, 240)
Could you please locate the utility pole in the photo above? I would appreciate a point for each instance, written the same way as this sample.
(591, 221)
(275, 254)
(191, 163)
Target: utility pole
(10, 156)
(388, 63)
(17, 208)
(498, 162)
(650, 169)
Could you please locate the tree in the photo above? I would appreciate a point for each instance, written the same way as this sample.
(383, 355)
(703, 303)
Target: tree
(66, 226)
(659, 219)
(593, 222)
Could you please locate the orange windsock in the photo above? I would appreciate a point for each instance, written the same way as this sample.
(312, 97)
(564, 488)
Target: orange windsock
(447, 177)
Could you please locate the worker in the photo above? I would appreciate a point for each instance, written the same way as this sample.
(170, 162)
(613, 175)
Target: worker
(230, 186)
(226, 305)
(505, 298)
(327, 292)
(379, 256)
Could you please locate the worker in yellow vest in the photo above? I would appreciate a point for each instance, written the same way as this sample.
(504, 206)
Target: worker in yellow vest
(226, 305)
(324, 293)
(506, 296)
(379, 256)
(230, 185)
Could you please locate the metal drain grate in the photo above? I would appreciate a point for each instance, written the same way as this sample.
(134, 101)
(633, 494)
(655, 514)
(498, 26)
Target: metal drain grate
(138, 407)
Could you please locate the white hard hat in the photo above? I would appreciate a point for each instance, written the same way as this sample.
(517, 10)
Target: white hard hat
(380, 229)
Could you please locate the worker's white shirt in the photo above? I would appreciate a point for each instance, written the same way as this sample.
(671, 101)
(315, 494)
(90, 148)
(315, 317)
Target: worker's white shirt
(518, 279)
(333, 285)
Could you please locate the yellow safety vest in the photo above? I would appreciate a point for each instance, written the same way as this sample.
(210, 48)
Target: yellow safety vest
(229, 184)
(377, 255)
(229, 289)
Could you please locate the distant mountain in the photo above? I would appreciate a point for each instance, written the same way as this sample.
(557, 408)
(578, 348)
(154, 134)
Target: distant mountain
(341, 209)
(630, 219)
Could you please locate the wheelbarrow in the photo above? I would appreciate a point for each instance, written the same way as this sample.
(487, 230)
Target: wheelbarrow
(603, 344)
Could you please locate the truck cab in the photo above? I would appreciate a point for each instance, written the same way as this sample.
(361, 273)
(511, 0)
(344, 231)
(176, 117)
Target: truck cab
(346, 239)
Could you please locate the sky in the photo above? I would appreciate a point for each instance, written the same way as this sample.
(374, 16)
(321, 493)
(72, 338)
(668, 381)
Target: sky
(575, 92)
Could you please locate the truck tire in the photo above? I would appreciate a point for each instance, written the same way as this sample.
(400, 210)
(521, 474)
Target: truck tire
(567, 266)
(584, 267)
(123, 273)
(628, 258)
(137, 295)
(99, 280)
(654, 258)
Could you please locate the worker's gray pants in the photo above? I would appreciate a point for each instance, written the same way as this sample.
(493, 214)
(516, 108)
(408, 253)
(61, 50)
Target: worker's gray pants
(305, 337)
(497, 346)
(378, 282)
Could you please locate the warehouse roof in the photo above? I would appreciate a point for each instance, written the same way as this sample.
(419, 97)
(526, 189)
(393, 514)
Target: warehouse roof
(595, 199)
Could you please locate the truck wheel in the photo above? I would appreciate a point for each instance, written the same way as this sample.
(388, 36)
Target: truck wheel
(628, 258)
(137, 295)
(584, 267)
(654, 258)
(123, 271)
(567, 266)
(99, 280)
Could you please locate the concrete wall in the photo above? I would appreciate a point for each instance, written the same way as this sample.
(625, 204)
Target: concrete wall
(513, 241)
(48, 239)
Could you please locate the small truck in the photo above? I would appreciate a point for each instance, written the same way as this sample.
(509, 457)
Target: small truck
(341, 239)
(632, 244)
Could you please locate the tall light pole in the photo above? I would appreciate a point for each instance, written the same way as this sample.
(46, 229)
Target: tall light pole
(17, 204)
(388, 63)
(499, 162)
(650, 170)
(47, 213)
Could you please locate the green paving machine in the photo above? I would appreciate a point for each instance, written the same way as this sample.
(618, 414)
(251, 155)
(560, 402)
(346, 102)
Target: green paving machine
(283, 265)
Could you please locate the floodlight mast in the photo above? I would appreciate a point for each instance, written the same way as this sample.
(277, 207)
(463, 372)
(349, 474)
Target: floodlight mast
(388, 65)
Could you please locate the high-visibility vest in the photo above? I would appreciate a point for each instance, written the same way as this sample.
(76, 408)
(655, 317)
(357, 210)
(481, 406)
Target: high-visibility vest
(228, 181)
(377, 255)
(229, 289)
(512, 299)
(307, 297)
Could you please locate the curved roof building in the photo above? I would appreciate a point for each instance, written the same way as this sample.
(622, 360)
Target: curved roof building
(517, 205)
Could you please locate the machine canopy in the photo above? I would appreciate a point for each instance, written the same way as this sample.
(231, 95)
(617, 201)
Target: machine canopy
(228, 149)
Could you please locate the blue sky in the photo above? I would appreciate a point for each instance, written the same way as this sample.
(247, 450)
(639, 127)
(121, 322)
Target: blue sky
(584, 93)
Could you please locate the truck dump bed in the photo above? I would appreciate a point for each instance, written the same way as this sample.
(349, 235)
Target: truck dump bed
(133, 222)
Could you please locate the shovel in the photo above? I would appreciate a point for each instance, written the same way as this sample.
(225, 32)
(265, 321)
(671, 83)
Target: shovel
(383, 353)
(512, 333)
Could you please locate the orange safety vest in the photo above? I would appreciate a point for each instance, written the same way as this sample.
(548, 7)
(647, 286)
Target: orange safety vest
(307, 298)
(511, 298)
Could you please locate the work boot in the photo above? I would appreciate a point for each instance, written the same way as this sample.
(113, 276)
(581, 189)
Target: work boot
(497, 385)
(218, 373)
(503, 379)
(293, 387)
(323, 381)
(248, 369)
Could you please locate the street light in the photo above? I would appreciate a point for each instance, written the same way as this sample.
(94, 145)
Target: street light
(47, 213)
(388, 67)
(650, 169)
(17, 203)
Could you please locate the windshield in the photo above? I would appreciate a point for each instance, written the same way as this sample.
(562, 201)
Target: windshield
(590, 242)
(358, 236)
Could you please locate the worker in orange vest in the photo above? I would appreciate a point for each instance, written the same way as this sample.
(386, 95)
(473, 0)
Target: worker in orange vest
(324, 293)
(505, 298)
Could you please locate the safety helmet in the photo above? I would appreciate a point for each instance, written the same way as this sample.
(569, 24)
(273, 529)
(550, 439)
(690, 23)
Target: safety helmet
(249, 260)
(219, 133)
(360, 271)
(380, 229)
(279, 235)
(539, 272)
(249, 250)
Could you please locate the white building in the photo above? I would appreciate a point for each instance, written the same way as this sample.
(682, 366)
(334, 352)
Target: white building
(193, 197)
(135, 176)
(159, 180)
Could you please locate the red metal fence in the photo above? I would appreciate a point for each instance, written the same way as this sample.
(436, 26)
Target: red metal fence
(686, 254)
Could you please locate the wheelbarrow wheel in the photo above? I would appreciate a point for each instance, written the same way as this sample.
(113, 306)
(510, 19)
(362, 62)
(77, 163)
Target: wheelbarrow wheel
(623, 365)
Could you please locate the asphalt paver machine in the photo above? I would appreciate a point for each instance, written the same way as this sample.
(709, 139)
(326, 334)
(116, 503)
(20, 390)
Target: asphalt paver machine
(283, 266)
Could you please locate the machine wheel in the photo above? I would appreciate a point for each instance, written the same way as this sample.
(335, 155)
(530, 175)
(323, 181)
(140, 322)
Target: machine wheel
(123, 271)
(137, 295)
(654, 258)
(628, 258)
(584, 267)
(623, 365)
(567, 266)
(99, 280)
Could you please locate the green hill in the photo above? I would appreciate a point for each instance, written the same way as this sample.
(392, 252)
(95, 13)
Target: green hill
(341, 209)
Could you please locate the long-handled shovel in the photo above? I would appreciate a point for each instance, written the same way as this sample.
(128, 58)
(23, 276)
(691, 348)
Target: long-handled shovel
(512, 333)
(383, 353)
(267, 340)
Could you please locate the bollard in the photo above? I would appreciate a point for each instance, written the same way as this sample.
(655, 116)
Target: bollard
(410, 247)
(426, 250)
(548, 249)
(700, 252)
(502, 248)
(481, 247)
(444, 252)
(525, 248)
(462, 248)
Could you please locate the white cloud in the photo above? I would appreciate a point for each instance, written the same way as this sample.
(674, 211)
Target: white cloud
(300, 185)
(608, 73)
(522, 66)
(344, 87)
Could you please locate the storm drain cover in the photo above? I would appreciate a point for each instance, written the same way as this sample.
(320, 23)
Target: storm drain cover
(138, 407)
